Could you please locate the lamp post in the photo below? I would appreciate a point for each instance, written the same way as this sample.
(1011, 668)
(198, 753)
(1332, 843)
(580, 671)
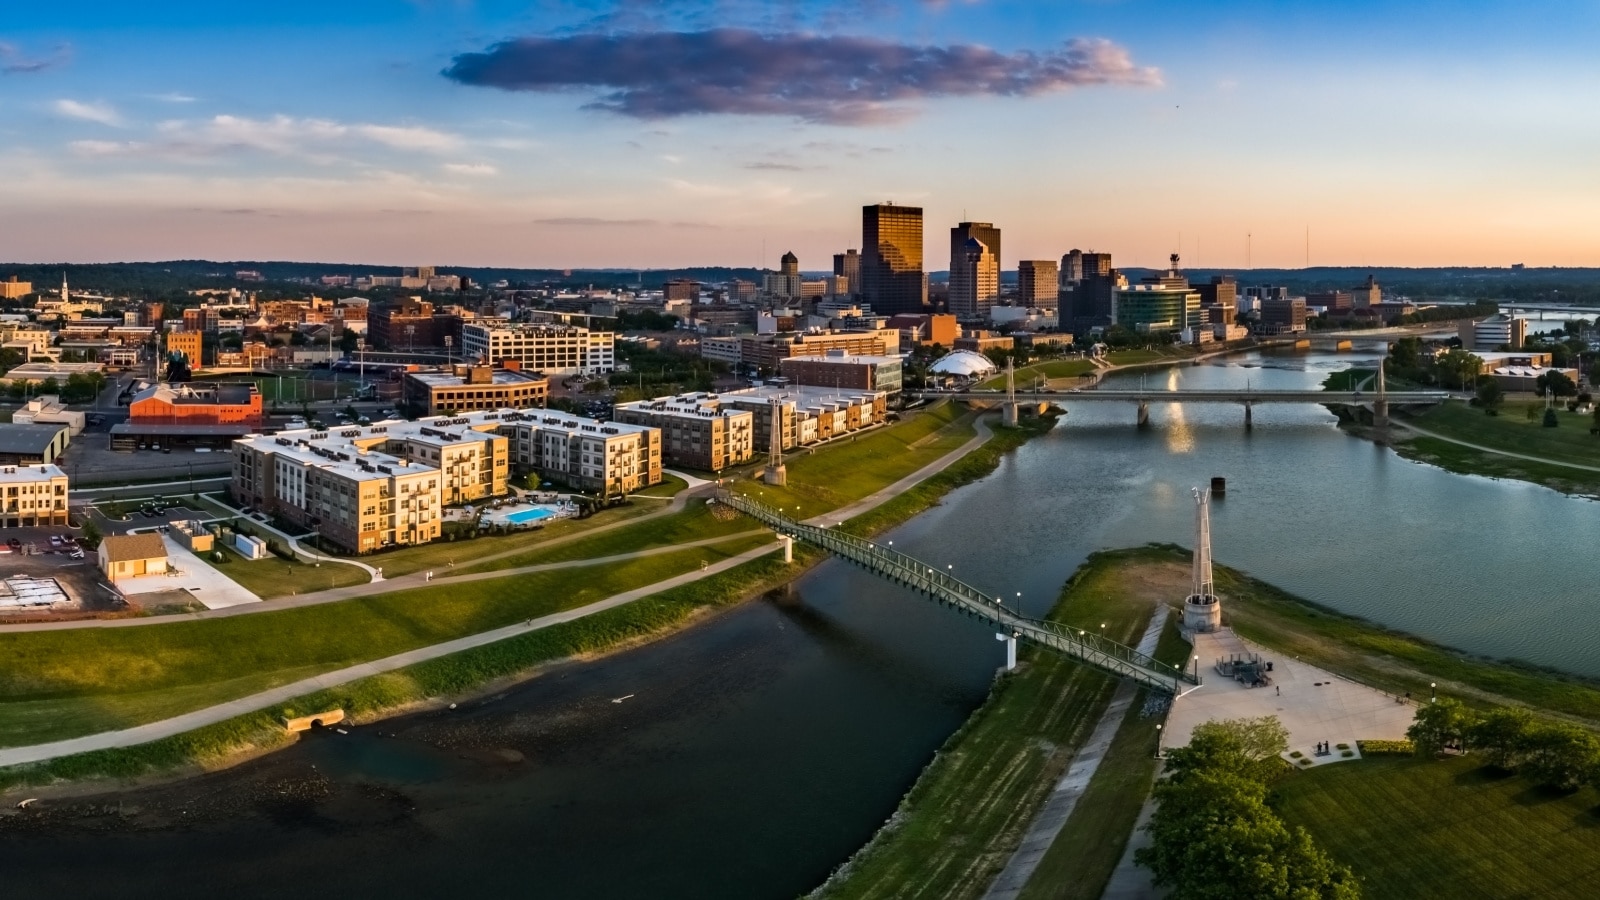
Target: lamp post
(1433, 691)
(1158, 740)
(1197, 668)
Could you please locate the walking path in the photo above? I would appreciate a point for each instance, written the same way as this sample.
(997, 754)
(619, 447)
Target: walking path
(873, 501)
(153, 731)
(1538, 459)
(1047, 823)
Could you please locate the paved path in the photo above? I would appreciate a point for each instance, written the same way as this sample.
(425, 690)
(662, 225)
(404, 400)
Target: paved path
(142, 734)
(1050, 818)
(830, 519)
(1538, 459)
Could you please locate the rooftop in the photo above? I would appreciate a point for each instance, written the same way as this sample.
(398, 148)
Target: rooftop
(843, 360)
(24, 474)
(202, 393)
(128, 547)
(501, 376)
(27, 438)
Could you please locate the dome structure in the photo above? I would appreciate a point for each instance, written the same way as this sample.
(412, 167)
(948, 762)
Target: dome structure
(964, 364)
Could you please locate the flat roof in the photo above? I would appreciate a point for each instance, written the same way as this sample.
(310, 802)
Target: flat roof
(500, 377)
(856, 360)
(138, 428)
(21, 474)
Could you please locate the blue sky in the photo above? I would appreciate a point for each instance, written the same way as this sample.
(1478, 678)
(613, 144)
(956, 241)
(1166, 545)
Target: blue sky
(630, 133)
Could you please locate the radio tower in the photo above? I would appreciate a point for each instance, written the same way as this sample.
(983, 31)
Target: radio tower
(775, 473)
(1202, 611)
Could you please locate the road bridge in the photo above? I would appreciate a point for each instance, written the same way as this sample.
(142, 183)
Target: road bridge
(942, 587)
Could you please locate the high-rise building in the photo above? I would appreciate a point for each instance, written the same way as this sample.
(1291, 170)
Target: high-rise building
(786, 283)
(1220, 299)
(1096, 264)
(974, 281)
(892, 280)
(1283, 315)
(1036, 283)
(847, 265)
(1087, 300)
(1369, 294)
(983, 231)
(681, 289)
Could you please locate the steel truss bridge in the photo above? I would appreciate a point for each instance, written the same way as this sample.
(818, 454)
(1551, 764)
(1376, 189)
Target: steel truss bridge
(942, 587)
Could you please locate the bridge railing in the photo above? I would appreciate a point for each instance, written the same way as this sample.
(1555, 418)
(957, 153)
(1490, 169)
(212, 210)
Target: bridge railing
(944, 586)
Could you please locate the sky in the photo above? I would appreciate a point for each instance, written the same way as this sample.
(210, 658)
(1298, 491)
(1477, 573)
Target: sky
(626, 133)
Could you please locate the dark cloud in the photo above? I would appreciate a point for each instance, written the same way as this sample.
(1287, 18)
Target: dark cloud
(816, 78)
(14, 62)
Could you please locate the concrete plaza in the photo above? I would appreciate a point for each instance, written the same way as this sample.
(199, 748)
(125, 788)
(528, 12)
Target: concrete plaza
(1313, 704)
(188, 572)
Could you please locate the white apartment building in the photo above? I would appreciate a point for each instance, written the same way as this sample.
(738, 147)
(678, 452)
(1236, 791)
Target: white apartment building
(32, 495)
(609, 458)
(551, 349)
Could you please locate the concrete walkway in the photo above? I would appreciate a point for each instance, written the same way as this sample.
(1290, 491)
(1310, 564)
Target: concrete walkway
(294, 542)
(1050, 819)
(844, 513)
(143, 734)
(1490, 450)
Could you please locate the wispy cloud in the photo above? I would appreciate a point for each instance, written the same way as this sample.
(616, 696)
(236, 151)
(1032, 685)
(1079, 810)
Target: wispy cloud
(592, 222)
(172, 97)
(14, 62)
(320, 140)
(836, 80)
(101, 113)
(479, 169)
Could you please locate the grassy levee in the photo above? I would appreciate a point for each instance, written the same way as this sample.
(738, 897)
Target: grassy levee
(958, 825)
(1053, 369)
(691, 524)
(59, 684)
(1451, 828)
(410, 618)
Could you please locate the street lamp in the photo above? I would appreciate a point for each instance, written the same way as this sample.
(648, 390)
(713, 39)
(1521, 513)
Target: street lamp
(1197, 668)
(1433, 691)
(1158, 740)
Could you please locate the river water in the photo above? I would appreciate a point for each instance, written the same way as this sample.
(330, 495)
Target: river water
(755, 752)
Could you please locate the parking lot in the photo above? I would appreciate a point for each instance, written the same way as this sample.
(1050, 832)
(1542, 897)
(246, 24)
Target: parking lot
(80, 579)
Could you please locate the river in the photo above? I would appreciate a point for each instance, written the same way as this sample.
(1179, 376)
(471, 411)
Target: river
(758, 750)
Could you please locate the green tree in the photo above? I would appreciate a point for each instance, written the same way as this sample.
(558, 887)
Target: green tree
(1557, 383)
(1438, 724)
(1560, 755)
(1405, 353)
(1501, 734)
(1458, 368)
(1490, 394)
(1551, 420)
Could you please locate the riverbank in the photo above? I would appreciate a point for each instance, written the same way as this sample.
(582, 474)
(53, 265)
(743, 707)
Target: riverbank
(951, 813)
(1514, 444)
(228, 742)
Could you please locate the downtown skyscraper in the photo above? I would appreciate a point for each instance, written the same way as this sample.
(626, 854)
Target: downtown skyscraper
(974, 270)
(892, 280)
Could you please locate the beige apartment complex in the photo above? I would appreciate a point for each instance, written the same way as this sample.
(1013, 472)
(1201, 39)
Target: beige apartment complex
(374, 486)
(698, 430)
(32, 496)
(551, 349)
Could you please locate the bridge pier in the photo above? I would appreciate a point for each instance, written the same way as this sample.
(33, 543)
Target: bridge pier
(1011, 650)
(1380, 413)
(1144, 414)
(1008, 414)
(788, 547)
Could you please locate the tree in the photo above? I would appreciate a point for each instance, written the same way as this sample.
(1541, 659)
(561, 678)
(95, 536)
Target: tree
(1438, 724)
(1490, 394)
(1557, 383)
(1460, 367)
(1502, 735)
(1560, 755)
(1405, 353)
(1551, 420)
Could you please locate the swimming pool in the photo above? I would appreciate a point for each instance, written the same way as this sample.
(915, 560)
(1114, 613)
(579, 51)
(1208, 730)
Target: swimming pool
(523, 517)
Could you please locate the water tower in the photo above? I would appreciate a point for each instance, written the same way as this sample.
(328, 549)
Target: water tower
(1202, 611)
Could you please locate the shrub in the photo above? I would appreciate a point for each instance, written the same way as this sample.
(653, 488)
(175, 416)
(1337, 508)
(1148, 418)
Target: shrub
(1390, 748)
(1347, 753)
(1343, 746)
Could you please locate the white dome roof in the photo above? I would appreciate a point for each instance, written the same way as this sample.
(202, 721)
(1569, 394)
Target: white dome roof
(966, 364)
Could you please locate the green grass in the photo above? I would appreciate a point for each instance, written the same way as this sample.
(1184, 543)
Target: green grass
(669, 487)
(276, 577)
(1514, 432)
(58, 684)
(694, 523)
(967, 812)
(1420, 828)
(1053, 369)
(373, 697)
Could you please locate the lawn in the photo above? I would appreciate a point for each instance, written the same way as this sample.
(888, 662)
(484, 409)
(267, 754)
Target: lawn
(56, 684)
(847, 471)
(1418, 828)
(1514, 432)
(691, 524)
(1056, 368)
(960, 823)
(669, 487)
(276, 577)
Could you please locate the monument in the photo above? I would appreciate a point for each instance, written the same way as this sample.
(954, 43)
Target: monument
(776, 472)
(1202, 611)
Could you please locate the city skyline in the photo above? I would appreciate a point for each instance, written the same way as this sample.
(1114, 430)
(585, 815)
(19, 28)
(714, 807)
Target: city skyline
(1378, 134)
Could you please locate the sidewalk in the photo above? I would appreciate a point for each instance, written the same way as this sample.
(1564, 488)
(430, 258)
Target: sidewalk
(153, 731)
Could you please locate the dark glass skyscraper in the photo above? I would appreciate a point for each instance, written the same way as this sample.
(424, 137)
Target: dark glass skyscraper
(892, 280)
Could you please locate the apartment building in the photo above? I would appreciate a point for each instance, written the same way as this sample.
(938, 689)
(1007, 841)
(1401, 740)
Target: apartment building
(609, 458)
(698, 430)
(32, 496)
(547, 348)
(807, 415)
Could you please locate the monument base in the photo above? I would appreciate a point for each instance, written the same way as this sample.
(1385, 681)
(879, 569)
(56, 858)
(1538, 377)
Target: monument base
(1202, 613)
(776, 475)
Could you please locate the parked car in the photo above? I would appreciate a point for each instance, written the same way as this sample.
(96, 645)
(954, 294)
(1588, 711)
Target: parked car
(14, 544)
(77, 553)
(55, 540)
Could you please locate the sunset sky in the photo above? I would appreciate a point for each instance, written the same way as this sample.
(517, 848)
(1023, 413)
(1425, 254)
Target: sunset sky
(581, 134)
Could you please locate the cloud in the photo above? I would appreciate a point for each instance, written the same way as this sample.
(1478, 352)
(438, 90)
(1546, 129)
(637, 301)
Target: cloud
(172, 97)
(775, 167)
(837, 80)
(101, 113)
(14, 62)
(319, 140)
(470, 169)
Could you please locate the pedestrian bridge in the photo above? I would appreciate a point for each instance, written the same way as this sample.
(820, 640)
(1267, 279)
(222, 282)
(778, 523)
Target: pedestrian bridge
(1090, 395)
(942, 587)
